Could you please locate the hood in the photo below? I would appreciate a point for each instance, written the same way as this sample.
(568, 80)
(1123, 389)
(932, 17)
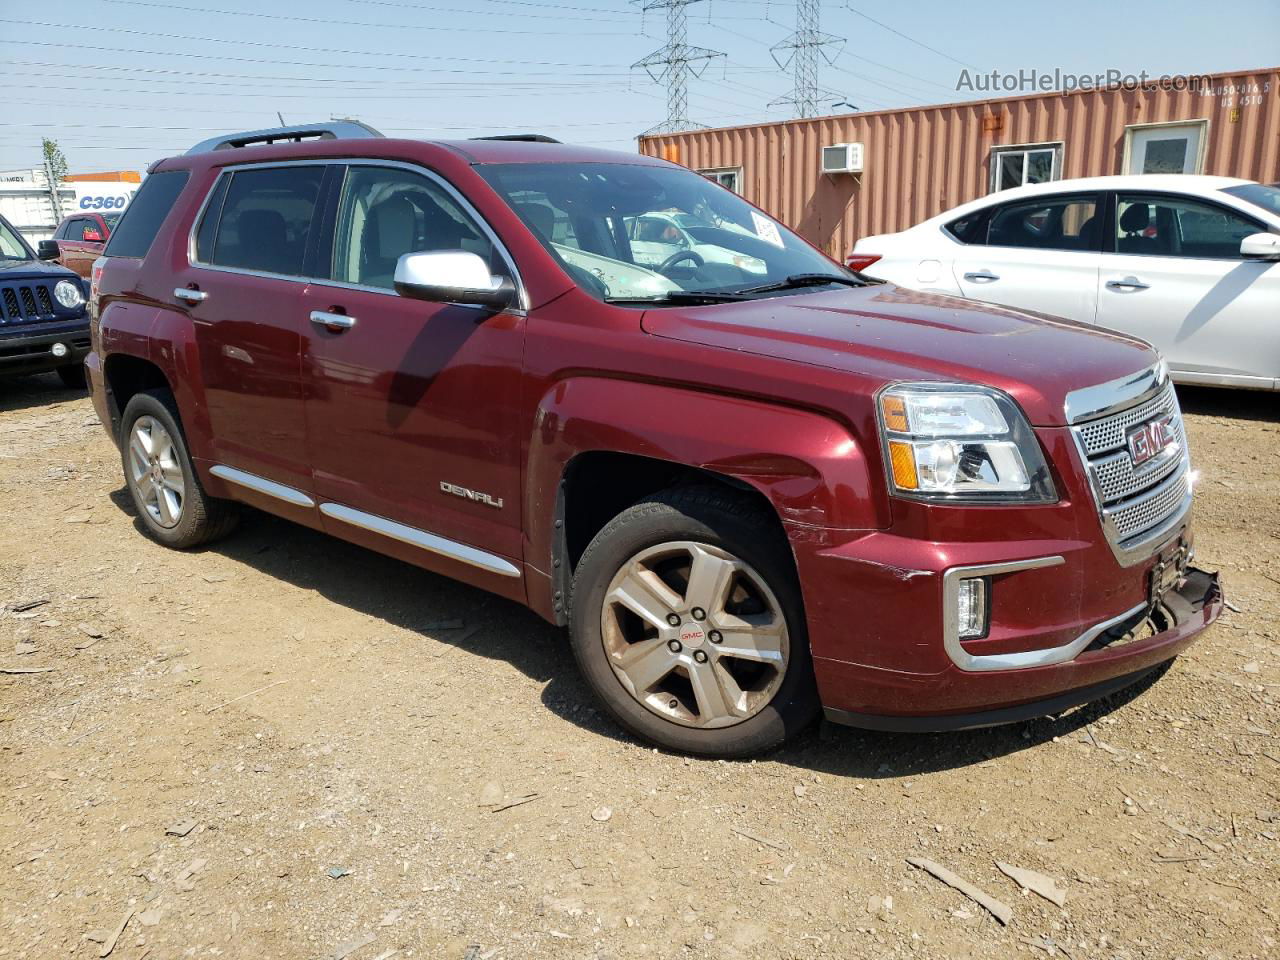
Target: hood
(34, 270)
(890, 333)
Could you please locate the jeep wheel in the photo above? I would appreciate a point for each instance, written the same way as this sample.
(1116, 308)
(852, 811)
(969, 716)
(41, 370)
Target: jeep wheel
(173, 507)
(687, 622)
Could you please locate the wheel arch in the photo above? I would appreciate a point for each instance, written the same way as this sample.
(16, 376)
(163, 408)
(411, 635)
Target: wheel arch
(599, 445)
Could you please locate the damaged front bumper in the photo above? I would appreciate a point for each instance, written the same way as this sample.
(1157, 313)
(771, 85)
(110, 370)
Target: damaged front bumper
(1117, 654)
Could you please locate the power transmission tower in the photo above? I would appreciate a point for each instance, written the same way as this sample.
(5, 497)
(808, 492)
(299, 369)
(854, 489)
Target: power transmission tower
(674, 63)
(799, 52)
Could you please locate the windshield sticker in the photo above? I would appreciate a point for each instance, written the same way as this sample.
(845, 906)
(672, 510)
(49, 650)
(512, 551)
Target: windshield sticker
(766, 229)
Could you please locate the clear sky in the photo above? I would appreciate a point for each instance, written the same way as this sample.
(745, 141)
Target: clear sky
(120, 83)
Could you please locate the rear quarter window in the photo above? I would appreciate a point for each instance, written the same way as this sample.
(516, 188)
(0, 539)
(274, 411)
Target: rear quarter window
(971, 228)
(141, 221)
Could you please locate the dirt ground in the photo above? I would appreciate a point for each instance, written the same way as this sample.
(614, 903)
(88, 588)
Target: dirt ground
(276, 748)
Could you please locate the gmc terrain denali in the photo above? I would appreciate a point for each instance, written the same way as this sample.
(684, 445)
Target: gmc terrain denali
(751, 483)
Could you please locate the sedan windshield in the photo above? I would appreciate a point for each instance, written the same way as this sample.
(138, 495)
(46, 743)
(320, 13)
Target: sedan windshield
(627, 232)
(1266, 196)
(12, 246)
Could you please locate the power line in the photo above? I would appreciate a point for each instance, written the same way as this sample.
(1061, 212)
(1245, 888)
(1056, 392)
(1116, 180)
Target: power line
(924, 46)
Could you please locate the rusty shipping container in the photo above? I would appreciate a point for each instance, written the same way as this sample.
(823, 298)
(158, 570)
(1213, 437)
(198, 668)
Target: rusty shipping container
(920, 161)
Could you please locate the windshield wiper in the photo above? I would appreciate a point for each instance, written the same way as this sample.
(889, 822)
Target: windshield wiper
(797, 280)
(685, 296)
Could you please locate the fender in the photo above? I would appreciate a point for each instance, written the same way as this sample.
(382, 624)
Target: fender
(165, 338)
(809, 466)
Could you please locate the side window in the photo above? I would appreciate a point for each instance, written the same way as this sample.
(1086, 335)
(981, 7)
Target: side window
(61, 232)
(387, 212)
(971, 228)
(144, 215)
(1057, 223)
(1179, 227)
(266, 218)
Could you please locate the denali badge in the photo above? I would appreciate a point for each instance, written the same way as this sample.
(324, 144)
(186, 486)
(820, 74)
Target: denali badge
(1150, 439)
(466, 494)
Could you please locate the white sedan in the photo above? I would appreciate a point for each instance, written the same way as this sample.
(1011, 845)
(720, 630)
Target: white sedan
(1189, 263)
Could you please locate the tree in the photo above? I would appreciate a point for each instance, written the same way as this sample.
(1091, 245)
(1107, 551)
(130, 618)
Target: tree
(54, 160)
(55, 167)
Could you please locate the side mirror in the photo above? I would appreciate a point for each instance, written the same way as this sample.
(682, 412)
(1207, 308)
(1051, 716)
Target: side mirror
(48, 250)
(1260, 246)
(452, 276)
(92, 236)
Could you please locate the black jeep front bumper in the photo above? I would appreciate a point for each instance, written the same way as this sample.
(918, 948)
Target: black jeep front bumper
(31, 350)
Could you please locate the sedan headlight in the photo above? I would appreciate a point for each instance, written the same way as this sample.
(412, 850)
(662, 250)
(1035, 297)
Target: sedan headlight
(68, 294)
(956, 442)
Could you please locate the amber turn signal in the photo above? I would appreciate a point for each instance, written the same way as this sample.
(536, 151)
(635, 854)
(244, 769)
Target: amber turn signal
(894, 411)
(903, 460)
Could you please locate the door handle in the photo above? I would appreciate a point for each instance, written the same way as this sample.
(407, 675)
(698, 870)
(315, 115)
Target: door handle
(333, 322)
(190, 296)
(1128, 283)
(981, 275)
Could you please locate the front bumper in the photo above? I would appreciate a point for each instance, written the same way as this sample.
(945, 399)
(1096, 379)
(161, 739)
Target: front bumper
(1115, 657)
(31, 350)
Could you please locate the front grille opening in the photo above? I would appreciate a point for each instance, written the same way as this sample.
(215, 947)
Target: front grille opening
(28, 301)
(46, 302)
(11, 304)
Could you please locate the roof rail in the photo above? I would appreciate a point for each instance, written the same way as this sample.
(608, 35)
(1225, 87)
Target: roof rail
(521, 138)
(332, 130)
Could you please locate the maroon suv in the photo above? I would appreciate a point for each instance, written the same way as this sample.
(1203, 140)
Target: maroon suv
(751, 483)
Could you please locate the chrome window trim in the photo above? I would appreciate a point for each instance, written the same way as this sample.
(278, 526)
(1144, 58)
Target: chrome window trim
(454, 194)
(981, 663)
(262, 485)
(422, 539)
(1104, 399)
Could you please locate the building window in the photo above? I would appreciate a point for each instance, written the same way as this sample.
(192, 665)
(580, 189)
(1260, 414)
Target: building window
(1027, 163)
(1165, 147)
(727, 177)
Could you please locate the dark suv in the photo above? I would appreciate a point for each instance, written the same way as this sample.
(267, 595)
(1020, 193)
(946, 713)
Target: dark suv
(43, 320)
(752, 483)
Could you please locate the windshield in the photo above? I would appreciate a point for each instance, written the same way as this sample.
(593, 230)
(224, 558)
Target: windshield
(1266, 196)
(12, 246)
(631, 232)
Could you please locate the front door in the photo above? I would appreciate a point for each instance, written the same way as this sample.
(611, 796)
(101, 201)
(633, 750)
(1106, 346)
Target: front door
(412, 406)
(1040, 254)
(1173, 275)
(244, 294)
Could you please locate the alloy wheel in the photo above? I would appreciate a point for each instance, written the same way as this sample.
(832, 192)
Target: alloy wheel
(695, 634)
(155, 472)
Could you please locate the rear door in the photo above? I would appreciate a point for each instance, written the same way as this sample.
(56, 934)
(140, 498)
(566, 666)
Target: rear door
(254, 242)
(1173, 275)
(412, 406)
(1039, 254)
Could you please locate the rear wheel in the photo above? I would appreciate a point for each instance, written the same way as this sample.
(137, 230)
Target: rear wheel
(173, 507)
(687, 622)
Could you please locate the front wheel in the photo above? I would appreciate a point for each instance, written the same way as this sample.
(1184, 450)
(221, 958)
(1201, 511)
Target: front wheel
(687, 622)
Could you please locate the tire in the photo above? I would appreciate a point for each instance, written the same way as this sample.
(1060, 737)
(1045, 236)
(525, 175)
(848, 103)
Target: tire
(710, 700)
(172, 506)
(72, 376)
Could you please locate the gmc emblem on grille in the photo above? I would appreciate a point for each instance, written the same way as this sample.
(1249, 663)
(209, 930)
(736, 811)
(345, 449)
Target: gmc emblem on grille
(1151, 439)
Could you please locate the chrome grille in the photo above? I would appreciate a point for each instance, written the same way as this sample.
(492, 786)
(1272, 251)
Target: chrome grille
(1140, 515)
(1099, 436)
(1136, 502)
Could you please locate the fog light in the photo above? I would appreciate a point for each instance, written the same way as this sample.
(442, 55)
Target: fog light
(971, 608)
(58, 349)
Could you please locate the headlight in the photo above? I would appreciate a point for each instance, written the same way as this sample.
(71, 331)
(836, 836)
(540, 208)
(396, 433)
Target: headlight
(68, 294)
(954, 442)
